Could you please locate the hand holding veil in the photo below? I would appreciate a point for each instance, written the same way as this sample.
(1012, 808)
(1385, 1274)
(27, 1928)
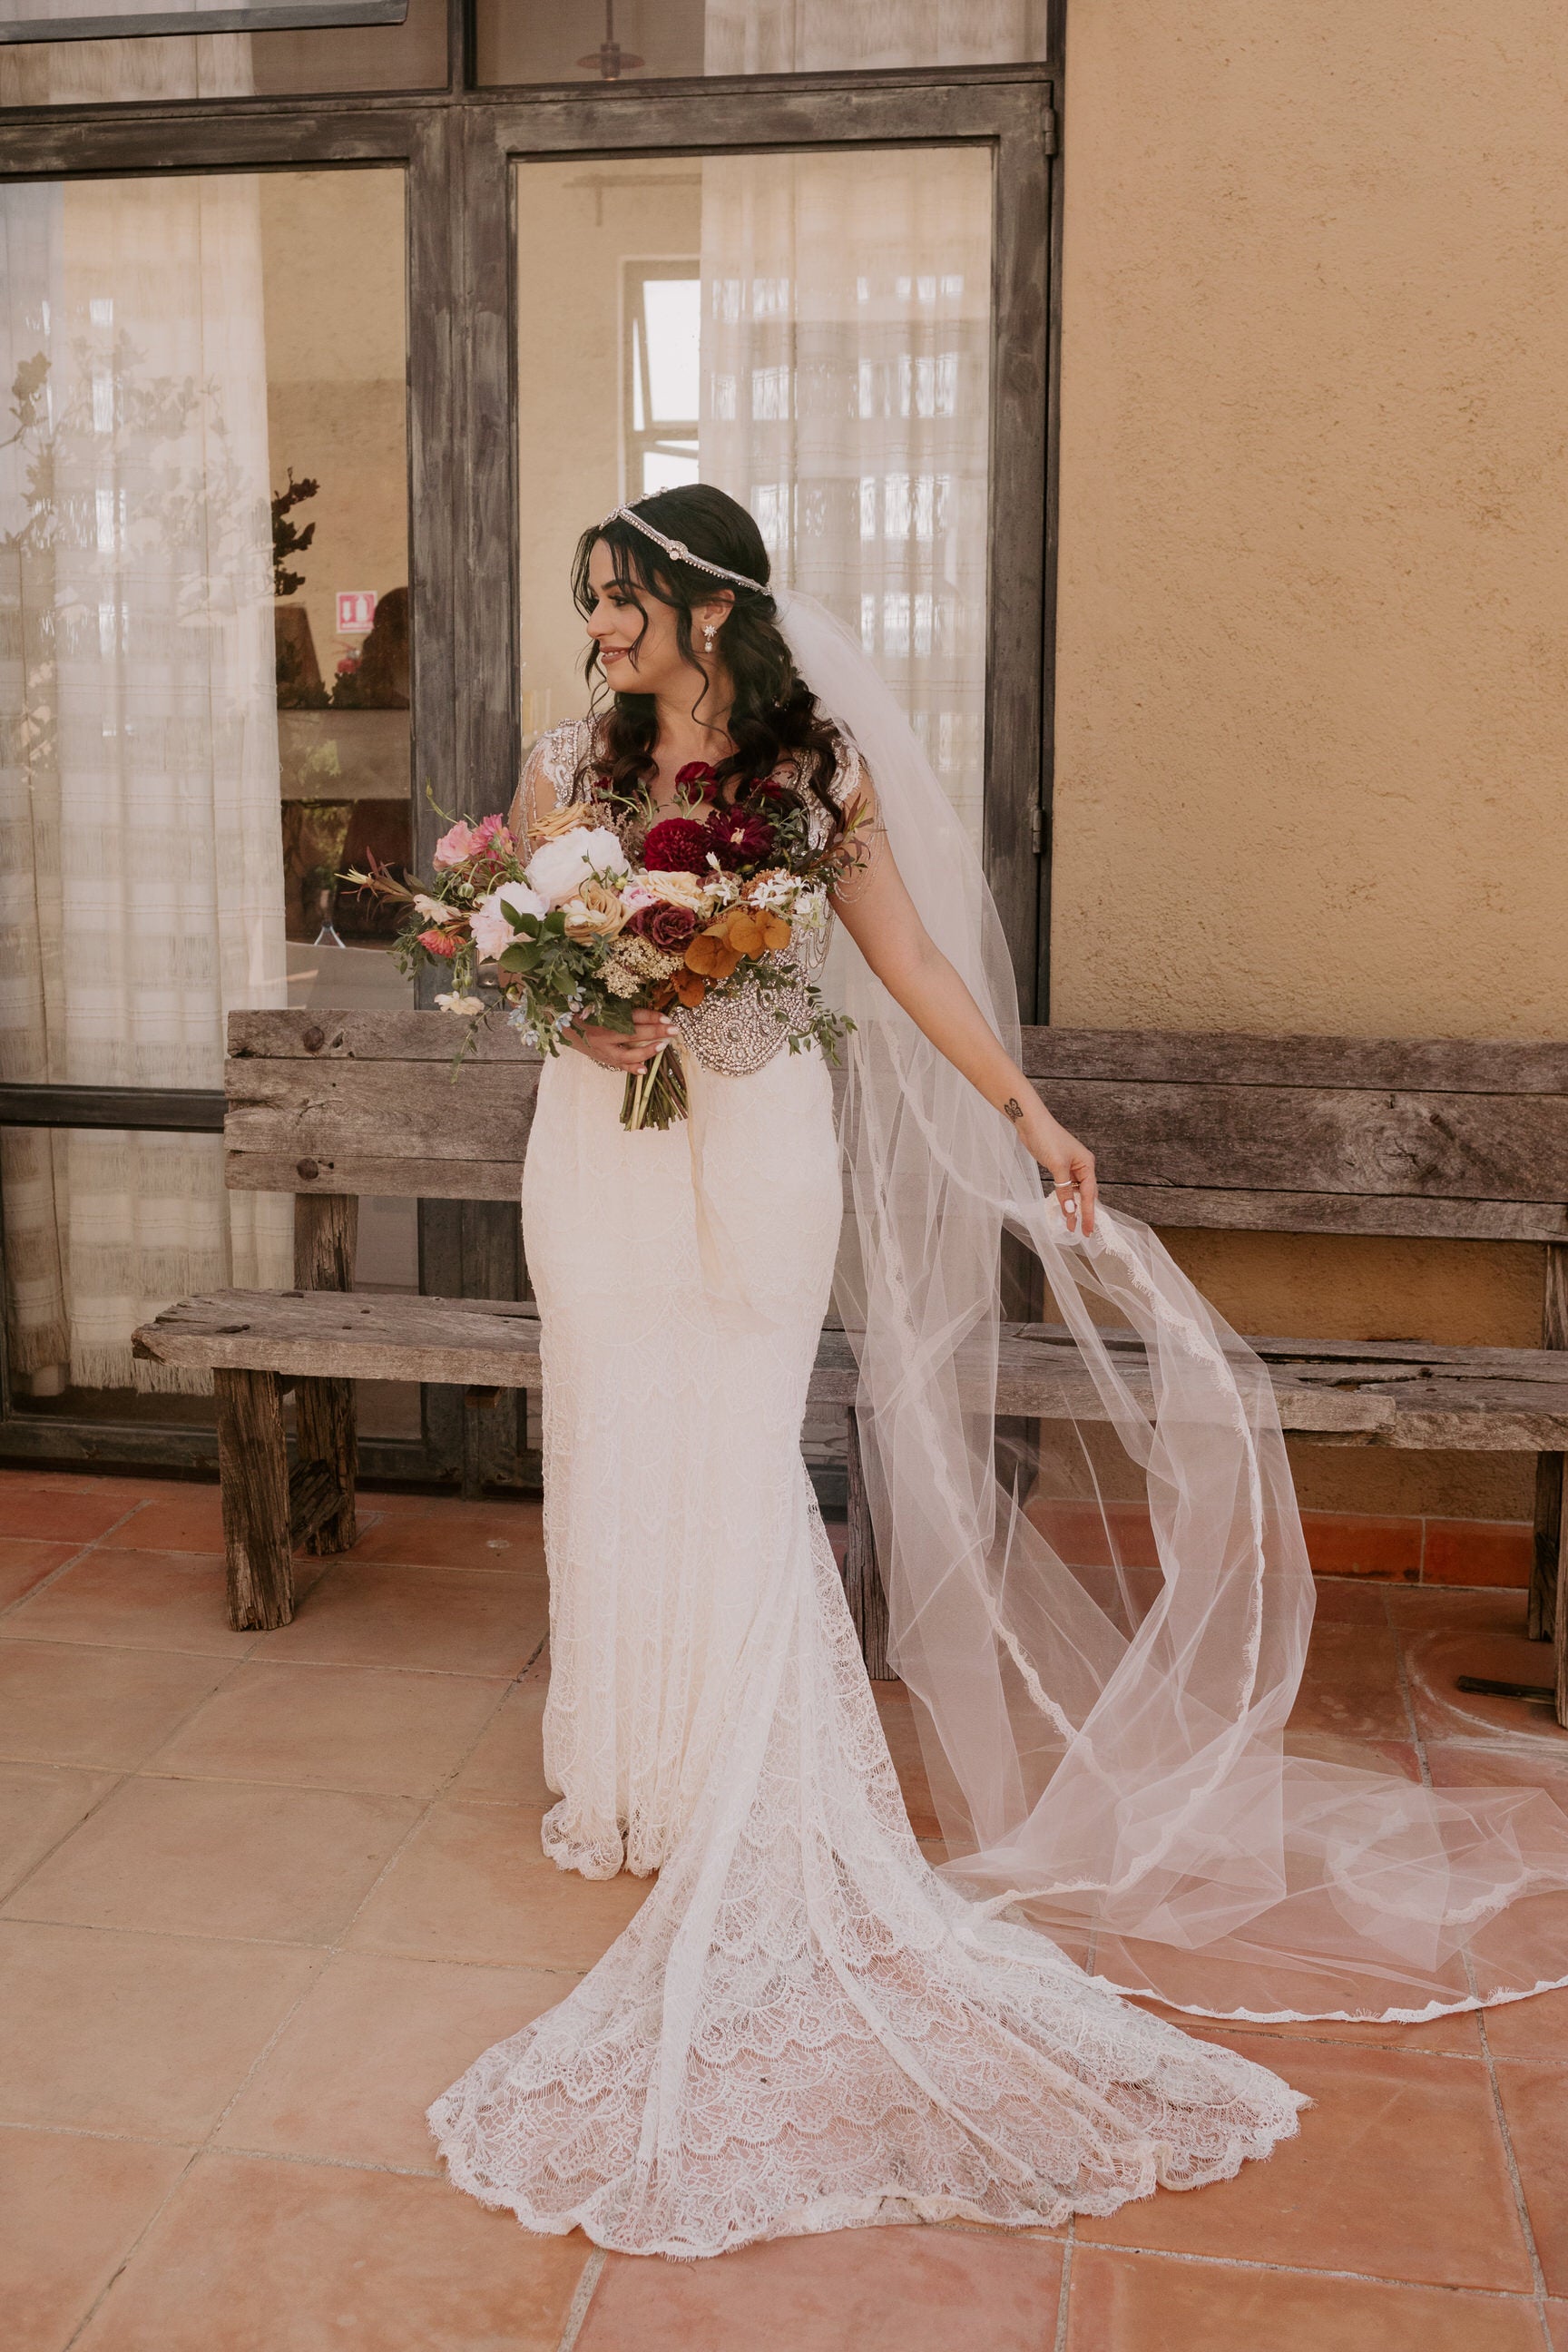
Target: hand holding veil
(1108, 1745)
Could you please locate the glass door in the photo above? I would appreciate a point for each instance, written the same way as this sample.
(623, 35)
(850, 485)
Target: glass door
(204, 718)
(810, 331)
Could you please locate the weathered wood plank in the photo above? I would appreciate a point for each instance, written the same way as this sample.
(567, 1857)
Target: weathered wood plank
(394, 1110)
(253, 1472)
(1525, 1362)
(487, 1343)
(1496, 1146)
(1238, 1058)
(448, 1178)
(1113, 1056)
(1403, 1216)
(370, 1177)
(325, 1231)
(338, 1102)
(337, 1036)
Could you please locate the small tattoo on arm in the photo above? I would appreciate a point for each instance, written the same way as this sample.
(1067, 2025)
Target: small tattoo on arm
(1012, 1108)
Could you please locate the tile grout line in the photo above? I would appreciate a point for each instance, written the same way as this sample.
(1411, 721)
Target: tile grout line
(334, 1949)
(132, 2250)
(1407, 1700)
(131, 1773)
(1064, 2290)
(326, 1953)
(1516, 2182)
(329, 1953)
(146, 1768)
(1494, 2087)
(66, 1565)
(1519, 2297)
(593, 2270)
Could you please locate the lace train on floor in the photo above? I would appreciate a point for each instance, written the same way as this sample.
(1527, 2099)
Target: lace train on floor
(805, 2028)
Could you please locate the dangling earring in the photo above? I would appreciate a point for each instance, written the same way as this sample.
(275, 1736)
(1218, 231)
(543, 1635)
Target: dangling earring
(709, 634)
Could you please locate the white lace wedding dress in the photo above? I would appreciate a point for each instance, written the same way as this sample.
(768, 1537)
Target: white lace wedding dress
(804, 2028)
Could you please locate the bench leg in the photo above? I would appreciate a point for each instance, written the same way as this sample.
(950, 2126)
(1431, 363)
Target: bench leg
(253, 1467)
(326, 1230)
(862, 1578)
(1551, 1549)
(1549, 1495)
(327, 1441)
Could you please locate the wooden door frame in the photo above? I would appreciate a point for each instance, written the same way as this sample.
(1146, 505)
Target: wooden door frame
(457, 148)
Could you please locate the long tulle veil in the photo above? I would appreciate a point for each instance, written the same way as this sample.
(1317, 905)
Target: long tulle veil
(1108, 1745)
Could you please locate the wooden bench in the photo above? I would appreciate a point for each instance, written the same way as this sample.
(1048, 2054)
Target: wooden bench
(1432, 1139)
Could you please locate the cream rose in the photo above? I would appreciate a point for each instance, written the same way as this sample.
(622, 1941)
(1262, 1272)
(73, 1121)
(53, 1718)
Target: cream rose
(595, 912)
(688, 890)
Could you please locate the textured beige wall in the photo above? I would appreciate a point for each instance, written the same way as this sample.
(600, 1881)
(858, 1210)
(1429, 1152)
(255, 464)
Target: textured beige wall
(1313, 642)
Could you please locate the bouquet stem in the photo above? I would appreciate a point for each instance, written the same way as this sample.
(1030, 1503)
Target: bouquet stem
(656, 1095)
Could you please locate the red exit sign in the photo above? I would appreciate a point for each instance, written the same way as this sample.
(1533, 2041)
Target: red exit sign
(356, 612)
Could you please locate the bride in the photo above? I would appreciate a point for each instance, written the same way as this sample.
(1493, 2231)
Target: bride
(808, 2026)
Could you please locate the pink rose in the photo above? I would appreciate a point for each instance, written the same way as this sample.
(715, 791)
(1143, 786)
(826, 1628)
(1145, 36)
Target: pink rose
(456, 846)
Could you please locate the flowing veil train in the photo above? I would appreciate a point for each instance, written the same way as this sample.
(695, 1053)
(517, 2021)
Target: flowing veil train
(805, 2025)
(1107, 1751)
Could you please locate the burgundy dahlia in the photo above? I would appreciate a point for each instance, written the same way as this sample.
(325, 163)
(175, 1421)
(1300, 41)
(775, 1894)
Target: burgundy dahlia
(670, 929)
(677, 844)
(696, 772)
(740, 837)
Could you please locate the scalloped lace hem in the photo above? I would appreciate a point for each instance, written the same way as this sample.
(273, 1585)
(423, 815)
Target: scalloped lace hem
(877, 2208)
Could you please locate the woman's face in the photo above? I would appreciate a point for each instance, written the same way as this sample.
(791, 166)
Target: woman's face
(617, 625)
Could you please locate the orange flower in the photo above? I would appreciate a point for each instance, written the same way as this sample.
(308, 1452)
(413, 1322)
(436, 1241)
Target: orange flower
(754, 931)
(711, 955)
(690, 987)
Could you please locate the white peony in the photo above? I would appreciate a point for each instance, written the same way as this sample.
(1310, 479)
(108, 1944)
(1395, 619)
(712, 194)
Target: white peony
(492, 929)
(558, 869)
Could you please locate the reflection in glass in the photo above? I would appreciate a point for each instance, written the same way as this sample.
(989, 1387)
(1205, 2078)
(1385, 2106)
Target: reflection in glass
(660, 339)
(103, 1230)
(119, 1225)
(179, 780)
(408, 55)
(568, 40)
(826, 359)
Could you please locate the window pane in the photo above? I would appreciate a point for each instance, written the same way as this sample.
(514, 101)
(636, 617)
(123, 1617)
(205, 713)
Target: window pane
(638, 40)
(203, 711)
(103, 1230)
(410, 56)
(834, 321)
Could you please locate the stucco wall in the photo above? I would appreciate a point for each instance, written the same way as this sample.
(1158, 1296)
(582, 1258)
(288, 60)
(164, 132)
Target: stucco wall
(1313, 638)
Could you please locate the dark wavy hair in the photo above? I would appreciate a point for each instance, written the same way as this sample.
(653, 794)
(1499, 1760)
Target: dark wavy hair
(773, 711)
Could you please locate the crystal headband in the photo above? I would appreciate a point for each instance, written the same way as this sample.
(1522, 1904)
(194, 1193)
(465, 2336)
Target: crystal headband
(681, 552)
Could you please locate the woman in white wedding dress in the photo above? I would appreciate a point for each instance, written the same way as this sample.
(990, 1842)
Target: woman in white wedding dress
(806, 2026)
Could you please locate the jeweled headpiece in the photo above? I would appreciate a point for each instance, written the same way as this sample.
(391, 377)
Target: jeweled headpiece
(681, 553)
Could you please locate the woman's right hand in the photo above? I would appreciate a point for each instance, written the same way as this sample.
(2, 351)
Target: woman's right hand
(613, 1049)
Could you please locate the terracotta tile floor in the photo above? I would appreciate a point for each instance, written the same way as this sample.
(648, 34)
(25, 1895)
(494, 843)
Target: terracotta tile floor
(262, 1896)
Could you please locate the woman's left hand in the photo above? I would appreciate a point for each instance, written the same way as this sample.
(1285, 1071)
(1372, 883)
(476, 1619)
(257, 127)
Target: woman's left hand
(1069, 1162)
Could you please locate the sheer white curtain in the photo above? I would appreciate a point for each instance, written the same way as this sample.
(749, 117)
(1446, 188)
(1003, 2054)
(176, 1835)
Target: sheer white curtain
(143, 891)
(845, 356)
(814, 36)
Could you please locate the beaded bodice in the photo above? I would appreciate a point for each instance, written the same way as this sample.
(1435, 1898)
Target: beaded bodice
(740, 1029)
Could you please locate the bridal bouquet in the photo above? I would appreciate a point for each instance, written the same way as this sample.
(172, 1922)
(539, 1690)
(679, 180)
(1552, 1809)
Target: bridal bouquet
(575, 931)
